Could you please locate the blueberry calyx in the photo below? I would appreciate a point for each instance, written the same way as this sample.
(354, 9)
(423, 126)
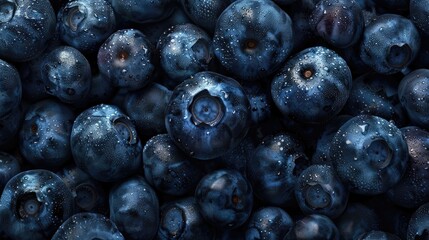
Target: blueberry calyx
(77, 15)
(28, 205)
(250, 45)
(7, 10)
(86, 197)
(207, 109)
(307, 73)
(399, 55)
(316, 197)
(380, 153)
(125, 130)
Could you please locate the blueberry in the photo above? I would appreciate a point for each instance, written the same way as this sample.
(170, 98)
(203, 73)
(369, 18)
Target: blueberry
(126, 58)
(205, 13)
(134, 208)
(274, 168)
(252, 38)
(181, 219)
(389, 43)
(26, 27)
(268, 223)
(412, 191)
(225, 199)
(105, 144)
(207, 115)
(418, 227)
(44, 138)
(376, 94)
(369, 154)
(339, 22)
(168, 169)
(413, 94)
(9, 167)
(313, 86)
(33, 204)
(66, 74)
(10, 88)
(314, 227)
(184, 50)
(85, 24)
(88, 226)
(89, 195)
(145, 11)
(318, 190)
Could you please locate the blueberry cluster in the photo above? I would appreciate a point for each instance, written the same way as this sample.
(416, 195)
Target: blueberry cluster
(214, 119)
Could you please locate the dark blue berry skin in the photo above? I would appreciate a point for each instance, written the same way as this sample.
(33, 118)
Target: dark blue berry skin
(413, 92)
(66, 74)
(314, 227)
(205, 13)
(168, 169)
(184, 50)
(340, 22)
(249, 44)
(146, 108)
(105, 144)
(26, 27)
(274, 169)
(146, 11)
(413, 191)
(33, 205)
(85, 24)
(313, 86)
(418, 227)
(389, 44)
(181, 220)
(225, 199)
(44, 138)
(321, 153)
(127, 59)
(89, 195)
(356, 220)
(9, 129)
(261, 103)
(10, 88)
(419, 11)
(102, 90)
(88, 226)
(319, 190)
(9, 167)
(208, 115)
(369, 154)
(270, 223)
(376, 94)
(134, 208)
(380, 235)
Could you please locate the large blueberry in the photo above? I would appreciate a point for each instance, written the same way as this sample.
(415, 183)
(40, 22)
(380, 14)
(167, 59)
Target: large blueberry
(10, 88)
(88, 226)
(134, 208)
(105, 144)
(389, 43)
(208, 115)
(225, 199)
(126, 58)
(181, 219)
(269, 223)
(26, 27)
(85, 24)
(313, 86)
(44, 138)
(369, 154)
(184, 50)
(274, 168)
(33, 205)
(252, 38)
